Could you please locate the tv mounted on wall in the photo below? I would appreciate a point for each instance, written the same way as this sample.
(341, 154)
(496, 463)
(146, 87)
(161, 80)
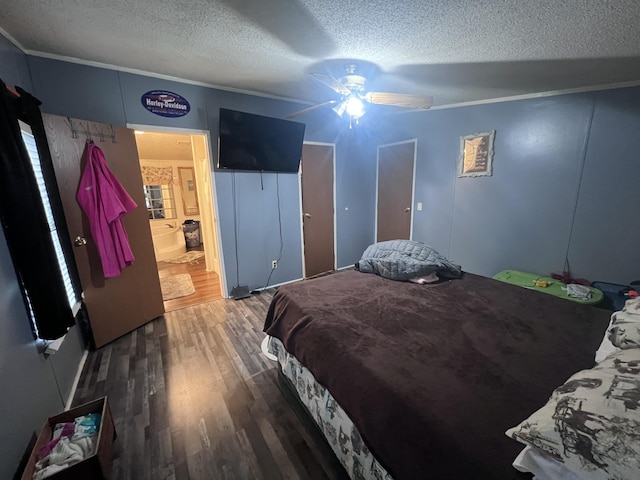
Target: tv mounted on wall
(256, 142)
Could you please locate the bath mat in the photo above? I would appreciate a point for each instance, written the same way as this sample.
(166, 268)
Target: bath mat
(189, 257)
(176, 286)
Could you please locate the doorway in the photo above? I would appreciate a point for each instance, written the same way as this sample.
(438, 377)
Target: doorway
(176, 173)
(125, 302)
(396, 172)
(318, 211)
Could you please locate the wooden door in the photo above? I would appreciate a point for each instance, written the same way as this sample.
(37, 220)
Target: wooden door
(395, 191)
(117, 305)
(317, 209)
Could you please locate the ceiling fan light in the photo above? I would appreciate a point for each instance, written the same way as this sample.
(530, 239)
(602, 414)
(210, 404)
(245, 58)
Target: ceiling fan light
(354, 107)
(340, 108)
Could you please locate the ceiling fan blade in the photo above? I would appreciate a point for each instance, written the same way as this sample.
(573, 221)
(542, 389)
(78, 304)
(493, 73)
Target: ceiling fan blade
(305, 110)
(332, 83)
(399, 100)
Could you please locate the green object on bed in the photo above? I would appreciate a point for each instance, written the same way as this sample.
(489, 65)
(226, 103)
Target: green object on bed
(554, 287)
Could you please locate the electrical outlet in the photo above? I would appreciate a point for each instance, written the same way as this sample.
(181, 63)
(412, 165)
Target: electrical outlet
(274, 264)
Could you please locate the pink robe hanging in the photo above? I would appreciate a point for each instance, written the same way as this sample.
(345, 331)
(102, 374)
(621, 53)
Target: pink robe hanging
(105, 201)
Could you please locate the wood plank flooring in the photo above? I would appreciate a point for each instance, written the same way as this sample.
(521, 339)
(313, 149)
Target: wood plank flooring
(193, 397)
(207, 284)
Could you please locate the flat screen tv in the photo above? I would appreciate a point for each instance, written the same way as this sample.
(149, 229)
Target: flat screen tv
(256, 142)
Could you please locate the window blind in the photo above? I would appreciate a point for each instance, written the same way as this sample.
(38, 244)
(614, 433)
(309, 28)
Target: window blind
(30, 144)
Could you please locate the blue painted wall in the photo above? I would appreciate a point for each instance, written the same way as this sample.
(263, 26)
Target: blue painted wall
(14, 69)
(606, 233)
(554, 157)
(34, 386)
(355, 192)
(564, 187)
(114, 97)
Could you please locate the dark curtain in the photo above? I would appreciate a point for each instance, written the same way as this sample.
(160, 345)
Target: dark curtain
(33, 118)
(23, 217)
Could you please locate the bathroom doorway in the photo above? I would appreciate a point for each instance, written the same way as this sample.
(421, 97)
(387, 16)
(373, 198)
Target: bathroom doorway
(178, 187)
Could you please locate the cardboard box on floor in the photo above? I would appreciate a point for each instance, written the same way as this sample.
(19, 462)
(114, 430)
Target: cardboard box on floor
(96, 466)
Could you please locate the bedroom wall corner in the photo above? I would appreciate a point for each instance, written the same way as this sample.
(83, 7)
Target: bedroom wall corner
(77, 91)
(437, 143)
(14, 67)
(355, 191)
(31, 391)
(605, 237)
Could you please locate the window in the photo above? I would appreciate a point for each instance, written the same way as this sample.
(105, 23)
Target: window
(160, 202)
(30, 143)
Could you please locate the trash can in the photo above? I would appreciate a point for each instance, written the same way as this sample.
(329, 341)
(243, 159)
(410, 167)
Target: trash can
(191, 229)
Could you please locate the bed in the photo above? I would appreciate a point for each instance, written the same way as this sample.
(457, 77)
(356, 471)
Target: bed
(430, 376)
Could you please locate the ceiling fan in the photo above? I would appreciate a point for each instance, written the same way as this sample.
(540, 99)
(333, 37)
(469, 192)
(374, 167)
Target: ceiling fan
(352, 88)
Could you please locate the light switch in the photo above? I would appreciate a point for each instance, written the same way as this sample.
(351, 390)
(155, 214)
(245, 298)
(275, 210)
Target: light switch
(419, 206)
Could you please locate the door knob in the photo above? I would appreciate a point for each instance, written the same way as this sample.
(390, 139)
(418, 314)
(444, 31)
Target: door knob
(80, 241)
(307, 215)
(408, 209)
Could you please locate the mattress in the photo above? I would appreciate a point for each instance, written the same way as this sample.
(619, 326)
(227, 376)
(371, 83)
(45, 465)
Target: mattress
(336, 426)
(433, 375)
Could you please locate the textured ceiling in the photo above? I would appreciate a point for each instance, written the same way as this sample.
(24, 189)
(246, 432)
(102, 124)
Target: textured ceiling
(456, 51)
(163, 146)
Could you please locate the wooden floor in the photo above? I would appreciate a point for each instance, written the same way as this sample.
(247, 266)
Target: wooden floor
(207, 284)
(194, 398)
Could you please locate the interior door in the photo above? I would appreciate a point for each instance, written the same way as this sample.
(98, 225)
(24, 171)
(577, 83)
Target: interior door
(317, 209)
(208, 220)
(117, 305)
(395, 190)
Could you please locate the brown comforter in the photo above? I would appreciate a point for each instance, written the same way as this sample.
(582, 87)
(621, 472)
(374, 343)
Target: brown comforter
(432, 375)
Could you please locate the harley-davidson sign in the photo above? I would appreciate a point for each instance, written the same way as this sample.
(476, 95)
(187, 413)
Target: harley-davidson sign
(165, 104)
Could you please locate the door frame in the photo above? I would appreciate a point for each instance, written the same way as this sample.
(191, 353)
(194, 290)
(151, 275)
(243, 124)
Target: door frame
(216, 227)
(413, 183)
(335, 227)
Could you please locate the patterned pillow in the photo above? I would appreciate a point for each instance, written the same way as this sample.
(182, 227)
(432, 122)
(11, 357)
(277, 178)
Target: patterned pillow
(632, 306)
(591, 424)
(624, 330)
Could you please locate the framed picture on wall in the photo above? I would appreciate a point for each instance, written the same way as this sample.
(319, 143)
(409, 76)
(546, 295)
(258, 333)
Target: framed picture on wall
(476, 155)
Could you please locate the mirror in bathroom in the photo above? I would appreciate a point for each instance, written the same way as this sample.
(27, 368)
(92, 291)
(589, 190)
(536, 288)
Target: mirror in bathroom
(189, 192)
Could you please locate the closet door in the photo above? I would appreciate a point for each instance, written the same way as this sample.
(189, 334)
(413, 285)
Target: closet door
(317, 208)
(117, 305)
(395, 190)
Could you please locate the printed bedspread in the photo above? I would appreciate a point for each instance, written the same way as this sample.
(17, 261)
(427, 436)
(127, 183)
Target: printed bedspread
(336, 426)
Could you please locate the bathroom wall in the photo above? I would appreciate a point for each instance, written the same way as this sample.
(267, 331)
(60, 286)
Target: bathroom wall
(181, 216)
(160, 226)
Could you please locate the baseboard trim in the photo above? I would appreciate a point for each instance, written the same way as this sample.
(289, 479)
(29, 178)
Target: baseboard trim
(275, 285)
(76, 380)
